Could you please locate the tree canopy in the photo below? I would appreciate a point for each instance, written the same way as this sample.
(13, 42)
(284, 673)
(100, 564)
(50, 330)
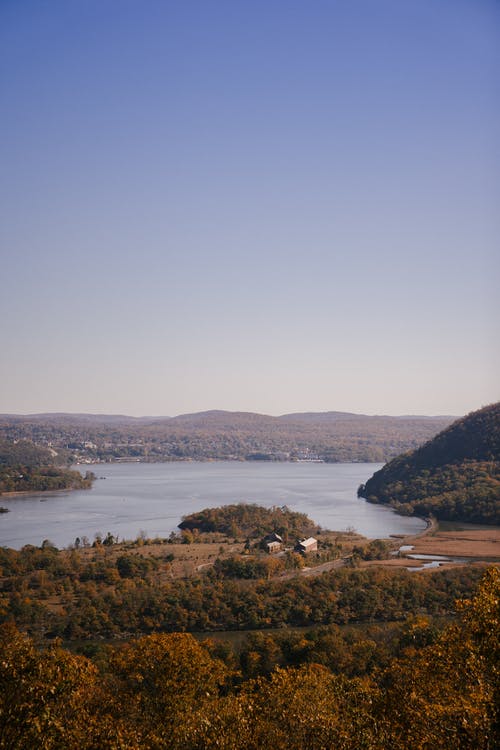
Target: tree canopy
(455, 476)
(250, 520)
(167, 690)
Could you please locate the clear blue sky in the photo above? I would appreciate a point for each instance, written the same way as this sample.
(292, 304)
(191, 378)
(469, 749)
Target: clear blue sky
(260, 206)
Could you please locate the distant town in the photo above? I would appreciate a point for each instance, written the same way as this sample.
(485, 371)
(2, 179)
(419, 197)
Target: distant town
(218, 435)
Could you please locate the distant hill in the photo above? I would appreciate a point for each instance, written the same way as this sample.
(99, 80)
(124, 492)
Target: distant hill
(455, 476)
(224, 435)
(69, 418)
(223, 419)
(344, 416)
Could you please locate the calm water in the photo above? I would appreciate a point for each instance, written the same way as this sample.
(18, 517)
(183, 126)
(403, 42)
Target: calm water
(136, 497)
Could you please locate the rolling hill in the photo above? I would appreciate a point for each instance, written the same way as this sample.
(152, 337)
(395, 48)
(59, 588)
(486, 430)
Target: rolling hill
(454, 476)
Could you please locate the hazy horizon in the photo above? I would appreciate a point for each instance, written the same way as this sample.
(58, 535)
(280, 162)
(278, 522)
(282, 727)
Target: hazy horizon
(267, 207)
(225, 411)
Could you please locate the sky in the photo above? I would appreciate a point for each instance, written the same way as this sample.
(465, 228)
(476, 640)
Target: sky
(268, 206)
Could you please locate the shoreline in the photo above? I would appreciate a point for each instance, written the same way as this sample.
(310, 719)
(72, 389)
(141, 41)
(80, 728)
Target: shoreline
(432, 526)
(31, 493)
(463, 547)
(35, 493)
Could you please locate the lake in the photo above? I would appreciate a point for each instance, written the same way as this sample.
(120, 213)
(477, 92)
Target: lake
(129, 498)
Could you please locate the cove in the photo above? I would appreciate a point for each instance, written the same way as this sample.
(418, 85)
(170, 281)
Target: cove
(129, 498)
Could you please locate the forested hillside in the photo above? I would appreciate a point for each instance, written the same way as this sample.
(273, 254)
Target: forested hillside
(25, 467)
(455, 476)
(429, 689)
(250, 520)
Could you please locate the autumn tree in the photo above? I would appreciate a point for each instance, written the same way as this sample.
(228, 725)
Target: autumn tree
(295, 709)
(164, 680)
(446, 694)
(44, 697)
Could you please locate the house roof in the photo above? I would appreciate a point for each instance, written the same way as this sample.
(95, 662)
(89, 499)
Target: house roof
(308, 542)
(273, 537)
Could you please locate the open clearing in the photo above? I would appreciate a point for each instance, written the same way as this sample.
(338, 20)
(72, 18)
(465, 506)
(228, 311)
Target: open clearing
(472, 545)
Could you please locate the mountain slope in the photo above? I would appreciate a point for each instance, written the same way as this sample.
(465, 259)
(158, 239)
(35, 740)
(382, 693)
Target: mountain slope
(455, 476)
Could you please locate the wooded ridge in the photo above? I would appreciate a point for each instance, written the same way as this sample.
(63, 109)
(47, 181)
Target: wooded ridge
(454, 476)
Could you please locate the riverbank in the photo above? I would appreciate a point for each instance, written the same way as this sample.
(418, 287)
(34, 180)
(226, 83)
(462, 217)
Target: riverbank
(474, 544)
(37, 493)
(46, 481)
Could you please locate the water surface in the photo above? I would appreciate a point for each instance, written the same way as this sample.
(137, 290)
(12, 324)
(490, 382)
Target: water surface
(135, 497)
